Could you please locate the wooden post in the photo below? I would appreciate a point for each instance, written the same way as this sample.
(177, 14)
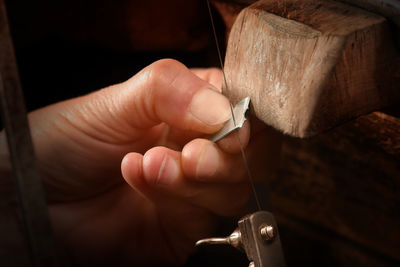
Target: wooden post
(311, 65)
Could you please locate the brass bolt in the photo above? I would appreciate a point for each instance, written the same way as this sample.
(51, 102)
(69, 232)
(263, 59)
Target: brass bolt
(267, 232)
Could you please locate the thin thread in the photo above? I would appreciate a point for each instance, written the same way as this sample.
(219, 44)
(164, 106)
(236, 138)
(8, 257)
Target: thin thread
(219, 51)
(253, 187)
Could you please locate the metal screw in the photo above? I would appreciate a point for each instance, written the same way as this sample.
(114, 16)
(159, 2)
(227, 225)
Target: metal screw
(267, 232)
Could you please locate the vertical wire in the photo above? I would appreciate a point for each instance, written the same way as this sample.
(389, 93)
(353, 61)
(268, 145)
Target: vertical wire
(253, 187)
(218, 50)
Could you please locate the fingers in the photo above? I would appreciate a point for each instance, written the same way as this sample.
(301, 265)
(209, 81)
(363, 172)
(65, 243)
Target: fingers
(204, 161)
(167, 91)
(235, 140)
(204, 174)
(159, 174)
(211, 75)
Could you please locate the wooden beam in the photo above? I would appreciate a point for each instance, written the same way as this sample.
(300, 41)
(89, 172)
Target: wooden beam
(340, 190)
(311, 65)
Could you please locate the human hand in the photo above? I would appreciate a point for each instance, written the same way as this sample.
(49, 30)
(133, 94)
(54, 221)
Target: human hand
(174, 183)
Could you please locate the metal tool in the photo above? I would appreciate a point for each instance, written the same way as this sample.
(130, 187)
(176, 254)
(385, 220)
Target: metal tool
(235, 122)
(257, 235)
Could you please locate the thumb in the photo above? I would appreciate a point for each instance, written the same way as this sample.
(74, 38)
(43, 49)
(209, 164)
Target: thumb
(167, 91)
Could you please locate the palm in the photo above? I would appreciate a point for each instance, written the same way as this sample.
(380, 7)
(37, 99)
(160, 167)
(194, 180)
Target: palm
(91, 207)
(121, 223)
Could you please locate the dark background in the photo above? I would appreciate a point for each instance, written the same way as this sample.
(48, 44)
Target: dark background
(336, 196)
(56, 66)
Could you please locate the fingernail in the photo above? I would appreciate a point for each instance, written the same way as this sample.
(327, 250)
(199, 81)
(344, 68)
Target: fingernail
(208, 161)
(169, 171)
(210, 107)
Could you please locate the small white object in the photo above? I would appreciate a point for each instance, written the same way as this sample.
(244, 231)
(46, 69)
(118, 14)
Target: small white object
(234, 123)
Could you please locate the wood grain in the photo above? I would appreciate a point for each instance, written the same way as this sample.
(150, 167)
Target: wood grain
(311, 65)
(337, 197)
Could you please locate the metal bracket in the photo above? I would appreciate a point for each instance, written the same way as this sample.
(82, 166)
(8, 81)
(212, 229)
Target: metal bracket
(258, 236)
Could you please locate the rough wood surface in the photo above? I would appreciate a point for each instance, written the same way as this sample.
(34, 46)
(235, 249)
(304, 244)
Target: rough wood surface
(336, 196)
(311, 65)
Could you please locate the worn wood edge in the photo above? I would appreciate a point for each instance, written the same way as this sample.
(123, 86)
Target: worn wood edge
(381, 88)
(287, 27)
(237, 91)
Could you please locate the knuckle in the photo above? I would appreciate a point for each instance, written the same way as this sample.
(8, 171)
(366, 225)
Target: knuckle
(159, 78)
(155, 82)
(163, 72)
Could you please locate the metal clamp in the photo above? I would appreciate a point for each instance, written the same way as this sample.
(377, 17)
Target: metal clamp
(257, 234)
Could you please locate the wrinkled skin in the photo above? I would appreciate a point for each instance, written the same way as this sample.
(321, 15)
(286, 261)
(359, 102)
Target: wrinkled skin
(129, 176)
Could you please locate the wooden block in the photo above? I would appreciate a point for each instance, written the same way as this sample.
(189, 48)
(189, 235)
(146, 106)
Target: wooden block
(311, 65)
